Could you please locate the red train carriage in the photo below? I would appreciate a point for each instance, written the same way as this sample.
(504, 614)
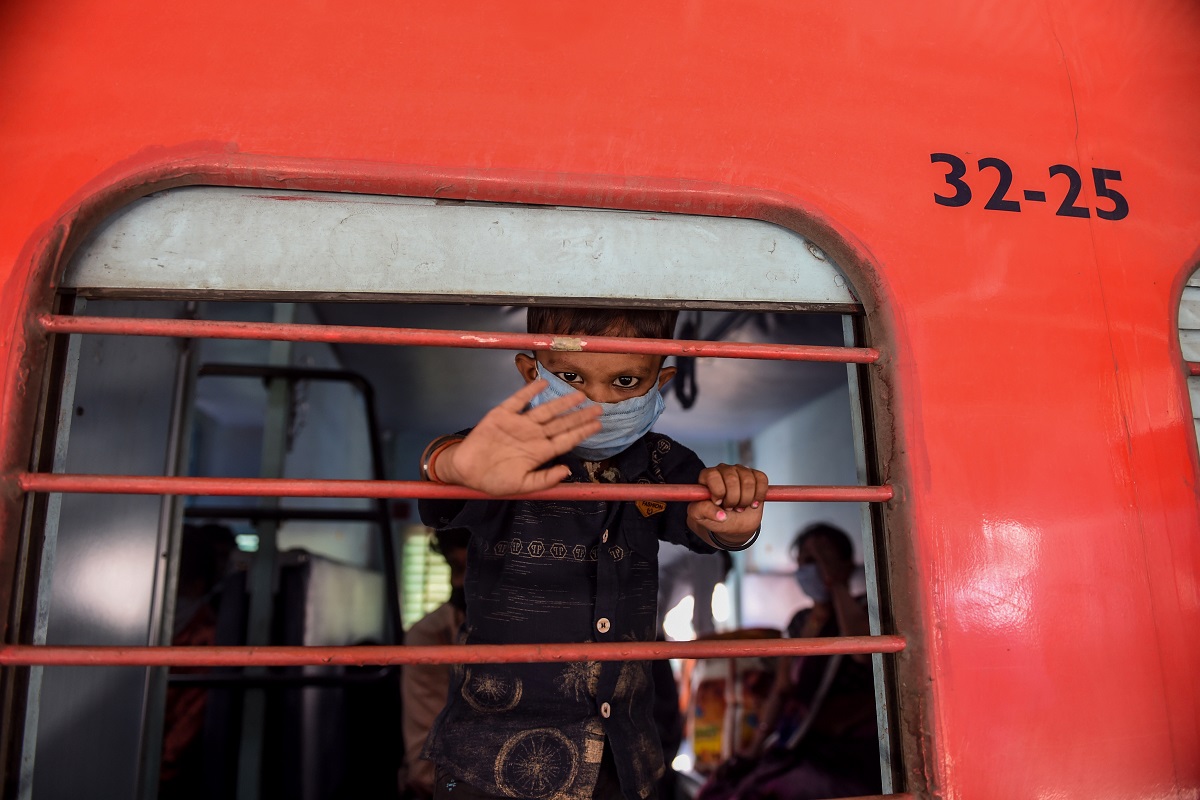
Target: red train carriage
(937, 268)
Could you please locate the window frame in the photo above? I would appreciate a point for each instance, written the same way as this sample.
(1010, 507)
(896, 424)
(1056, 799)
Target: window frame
(48, 257)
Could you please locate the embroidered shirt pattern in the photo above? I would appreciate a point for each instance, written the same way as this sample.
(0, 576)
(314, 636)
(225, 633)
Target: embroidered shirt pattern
(561, 572)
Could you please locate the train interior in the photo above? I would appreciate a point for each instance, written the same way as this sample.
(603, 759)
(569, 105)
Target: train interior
(136, 569)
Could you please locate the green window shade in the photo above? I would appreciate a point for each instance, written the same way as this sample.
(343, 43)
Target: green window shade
(424, 578)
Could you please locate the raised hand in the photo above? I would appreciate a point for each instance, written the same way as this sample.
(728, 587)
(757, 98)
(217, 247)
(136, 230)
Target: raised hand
(503, 453)
(736, 505)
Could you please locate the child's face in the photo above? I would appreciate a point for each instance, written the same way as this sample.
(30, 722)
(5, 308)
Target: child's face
(603, 377)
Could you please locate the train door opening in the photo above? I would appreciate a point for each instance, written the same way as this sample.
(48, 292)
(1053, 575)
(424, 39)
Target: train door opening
(235, 336)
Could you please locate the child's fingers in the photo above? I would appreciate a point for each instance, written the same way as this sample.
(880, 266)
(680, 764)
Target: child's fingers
(556, 407)
(517, 401)
(572, 420)
(761, 484)
(712, 480)
(731, 494)
(707, 513)
(547, 478)
(743, 480)
(566, 440)
(754, 487)
(735, 487)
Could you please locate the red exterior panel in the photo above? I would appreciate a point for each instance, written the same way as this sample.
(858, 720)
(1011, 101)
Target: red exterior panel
(1034, 420)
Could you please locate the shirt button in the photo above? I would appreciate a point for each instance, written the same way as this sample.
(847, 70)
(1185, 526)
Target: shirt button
(605, 710)
(604, 538)
(603, 625)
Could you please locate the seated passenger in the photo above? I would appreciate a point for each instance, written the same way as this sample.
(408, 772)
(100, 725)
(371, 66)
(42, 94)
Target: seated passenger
(817, 734)
(424, 686)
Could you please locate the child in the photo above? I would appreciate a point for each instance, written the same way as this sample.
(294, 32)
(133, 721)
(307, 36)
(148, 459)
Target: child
(541, 571)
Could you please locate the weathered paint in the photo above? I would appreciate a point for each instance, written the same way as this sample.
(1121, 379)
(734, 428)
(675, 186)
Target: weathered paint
(1045, 537)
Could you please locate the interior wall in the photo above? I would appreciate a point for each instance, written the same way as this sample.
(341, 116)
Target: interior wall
(100, 575)
(331, 441)
(330, 437)
(814, 445)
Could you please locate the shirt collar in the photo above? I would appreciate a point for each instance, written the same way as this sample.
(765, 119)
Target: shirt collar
(632, 462)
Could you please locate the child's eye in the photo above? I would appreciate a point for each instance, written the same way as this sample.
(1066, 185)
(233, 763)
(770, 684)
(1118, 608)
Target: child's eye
(626, 382)
(569, 377)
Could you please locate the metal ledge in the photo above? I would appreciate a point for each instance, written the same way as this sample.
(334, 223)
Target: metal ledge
(226, 242)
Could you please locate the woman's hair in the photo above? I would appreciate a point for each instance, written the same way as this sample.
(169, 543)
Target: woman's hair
(841, 542)
(639, 323)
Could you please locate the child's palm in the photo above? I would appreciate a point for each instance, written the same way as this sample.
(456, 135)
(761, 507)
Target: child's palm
(503, 453)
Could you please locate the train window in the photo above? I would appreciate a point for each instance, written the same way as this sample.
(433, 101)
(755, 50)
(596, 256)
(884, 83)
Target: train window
(424, 577)
(1189, 343)
(239, 387)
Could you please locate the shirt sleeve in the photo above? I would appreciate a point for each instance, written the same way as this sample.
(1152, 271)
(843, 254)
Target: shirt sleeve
(677, 464)
(483, 518)
(469, 514)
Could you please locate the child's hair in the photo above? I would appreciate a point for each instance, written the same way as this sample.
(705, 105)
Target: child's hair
(639, 323)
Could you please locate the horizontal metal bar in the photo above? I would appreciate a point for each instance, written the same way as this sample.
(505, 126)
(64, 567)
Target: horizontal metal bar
(420, 337)
(1193, 368)
(292, 487)
(359, 656)
(254, 514)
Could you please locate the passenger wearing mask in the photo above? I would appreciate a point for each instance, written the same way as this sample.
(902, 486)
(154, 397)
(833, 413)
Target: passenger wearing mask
(817, 734)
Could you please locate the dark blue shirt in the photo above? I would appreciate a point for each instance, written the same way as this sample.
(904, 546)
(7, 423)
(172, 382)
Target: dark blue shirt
(541, 571)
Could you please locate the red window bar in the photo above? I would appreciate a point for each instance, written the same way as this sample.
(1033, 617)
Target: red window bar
(29, 655)
(346, 334)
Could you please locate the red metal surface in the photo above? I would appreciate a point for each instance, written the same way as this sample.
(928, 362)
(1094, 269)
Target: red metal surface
(1193, 368)
(290, 487)
(1047, 505)
(441, 654)
(415, 337)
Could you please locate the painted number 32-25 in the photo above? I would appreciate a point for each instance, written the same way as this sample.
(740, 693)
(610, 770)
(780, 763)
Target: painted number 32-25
(1000, 200)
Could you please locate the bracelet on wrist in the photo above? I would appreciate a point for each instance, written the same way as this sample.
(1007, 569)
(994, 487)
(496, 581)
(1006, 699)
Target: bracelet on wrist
(432, 451)
(721, 544)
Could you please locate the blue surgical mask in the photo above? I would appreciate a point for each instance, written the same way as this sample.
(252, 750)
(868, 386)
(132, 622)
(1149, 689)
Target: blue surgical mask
(622, 423)
(811, 582)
